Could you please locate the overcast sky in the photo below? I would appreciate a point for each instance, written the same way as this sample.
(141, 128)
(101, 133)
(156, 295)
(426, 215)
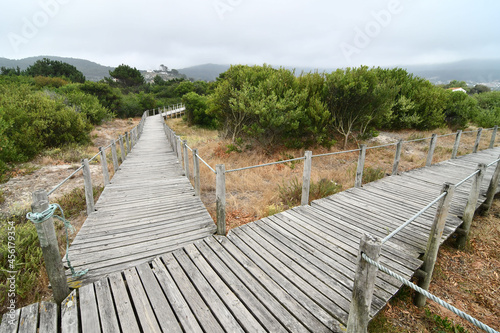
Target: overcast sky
(314, 33)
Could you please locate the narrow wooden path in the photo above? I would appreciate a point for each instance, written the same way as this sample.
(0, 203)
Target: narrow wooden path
(149, 208)
(290, 272)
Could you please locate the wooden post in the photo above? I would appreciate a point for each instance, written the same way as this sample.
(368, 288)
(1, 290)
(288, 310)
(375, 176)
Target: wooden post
(186, 158)
(432, 146)
(397, 157)
(470, 207)
(493, 136)
(306, 178)
(490, 193)
(364, 284)
(89, 192)
(179, 150)
(122, 148)
(127, 138)
(104, 164)
(220, 198)
(434, 241)
(456, 145)
(50, 248)
(478, 139)
(114, 155)
(196, 173)
(361, 165)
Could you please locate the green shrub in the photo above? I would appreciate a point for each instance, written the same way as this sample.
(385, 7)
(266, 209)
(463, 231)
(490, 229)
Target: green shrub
(196, 110)
(488, 117)
(291, 194)
(51, 82)
(372, 174)
(28, 257)
(89, 106)
(31, 121)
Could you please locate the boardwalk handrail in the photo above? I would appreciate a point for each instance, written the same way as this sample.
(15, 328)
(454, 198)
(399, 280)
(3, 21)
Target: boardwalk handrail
(365, 276)
(424, 292)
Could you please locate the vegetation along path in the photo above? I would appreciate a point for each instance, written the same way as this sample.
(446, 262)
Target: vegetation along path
(293, 271)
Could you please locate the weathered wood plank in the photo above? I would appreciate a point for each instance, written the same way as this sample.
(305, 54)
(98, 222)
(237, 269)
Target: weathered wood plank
(123, 304)
(69, 314)
(89, 310)
(48, 317)
(107, 313)
(28, 321)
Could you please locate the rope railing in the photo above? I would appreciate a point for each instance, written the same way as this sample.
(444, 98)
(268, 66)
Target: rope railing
(413, 218)
(337, 152)
(266, 164)
(466, 178)
(204, 162)
(65, 180)
(424, 292)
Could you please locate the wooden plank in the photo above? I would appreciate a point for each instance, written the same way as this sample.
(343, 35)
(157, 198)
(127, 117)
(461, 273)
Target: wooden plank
(145, 313)
(29, 319)
(179, 305)
(69, 314)
(158, 300)
(107, 313)
(224, 315)
(264, 294)
(48, 317)
(336, 305)
(199, 307)
(10, 321)
(233, 282)
(88, 309)
(123, 304)
(281, 290)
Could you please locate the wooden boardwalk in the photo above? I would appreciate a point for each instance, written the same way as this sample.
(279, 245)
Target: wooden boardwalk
(290, 272)
(149, 208)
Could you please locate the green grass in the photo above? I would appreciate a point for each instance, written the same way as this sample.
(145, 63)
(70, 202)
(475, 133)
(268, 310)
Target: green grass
(372, 174)
(291, 194)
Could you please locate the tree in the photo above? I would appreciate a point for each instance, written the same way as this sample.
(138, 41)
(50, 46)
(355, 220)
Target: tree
(54, 68)
(355, 98)
(10, 71)
(196, 110)
(127, 76)
(479, 89)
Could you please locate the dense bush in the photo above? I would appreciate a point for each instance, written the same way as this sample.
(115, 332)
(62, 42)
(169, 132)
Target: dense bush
(87, 105)
(196, 110)
(32, 120)
(54, 68)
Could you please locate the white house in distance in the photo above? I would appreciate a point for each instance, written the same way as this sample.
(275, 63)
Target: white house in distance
(457, 89)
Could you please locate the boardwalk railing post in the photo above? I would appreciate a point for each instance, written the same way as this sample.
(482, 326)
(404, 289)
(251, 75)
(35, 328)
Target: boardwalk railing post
(179, 150)
(114, 155)
(478, 139)
(50, 248)
(493, 136)
(470, 207)
(89, 192)
(220, 198)
(397, 157)
(306, 178)
(490, 193)
(361, 165)
(104, 164)
(127, 139)
(432, 146)
(186, 158)
(122, 148)
(196, 173)
(364, 284)
(434, 241)
(456, 145)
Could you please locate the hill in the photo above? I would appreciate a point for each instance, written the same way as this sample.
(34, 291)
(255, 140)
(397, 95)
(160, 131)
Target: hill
(206, 72)
(471, 71)
(92, 71)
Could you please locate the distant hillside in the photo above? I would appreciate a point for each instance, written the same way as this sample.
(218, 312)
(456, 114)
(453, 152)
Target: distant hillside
(471, 71)
(207, 72)
(91, 70)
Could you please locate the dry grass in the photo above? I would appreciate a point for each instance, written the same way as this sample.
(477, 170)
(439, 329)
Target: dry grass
(253, 194)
